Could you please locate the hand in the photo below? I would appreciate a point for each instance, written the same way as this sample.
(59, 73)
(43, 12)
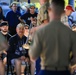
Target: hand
(73, 68)
(27, 59)
(5, 52)
(22, 58)
(32, 19)
(33, 29)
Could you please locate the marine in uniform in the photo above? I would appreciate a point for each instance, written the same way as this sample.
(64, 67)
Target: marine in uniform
(49, 43)
(43, 13)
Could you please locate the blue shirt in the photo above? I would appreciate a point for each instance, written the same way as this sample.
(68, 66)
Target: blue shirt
(12, 18)
(13, 21)
(72, 18)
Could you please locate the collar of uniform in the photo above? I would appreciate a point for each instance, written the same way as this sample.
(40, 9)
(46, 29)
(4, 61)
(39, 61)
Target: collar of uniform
(55, 21)
(4, 33)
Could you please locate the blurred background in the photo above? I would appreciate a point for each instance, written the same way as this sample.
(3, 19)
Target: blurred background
(22, 3)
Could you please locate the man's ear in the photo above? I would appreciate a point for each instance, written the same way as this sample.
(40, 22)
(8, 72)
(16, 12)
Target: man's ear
(16, 29)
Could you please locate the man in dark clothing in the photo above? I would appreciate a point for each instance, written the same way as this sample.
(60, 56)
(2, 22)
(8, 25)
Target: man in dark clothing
(16, 52)
(4, 31)
(27, 17)
(3, 53)
(12, 18)
(3, 46)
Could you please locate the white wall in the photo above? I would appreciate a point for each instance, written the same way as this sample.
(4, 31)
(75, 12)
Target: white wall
(8, 1)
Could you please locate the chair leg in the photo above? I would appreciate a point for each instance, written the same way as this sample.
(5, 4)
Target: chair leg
(27, 70)
(7, 69)
(11, 68)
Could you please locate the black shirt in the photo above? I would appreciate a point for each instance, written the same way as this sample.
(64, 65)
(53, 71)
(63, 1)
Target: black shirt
(26, 17)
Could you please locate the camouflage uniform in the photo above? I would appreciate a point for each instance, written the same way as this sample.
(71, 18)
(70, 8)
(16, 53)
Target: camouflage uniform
(43, 14)
(64, 20)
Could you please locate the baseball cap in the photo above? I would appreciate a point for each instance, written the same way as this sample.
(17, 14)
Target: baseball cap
(31, 5)
(3, 24)
(69, 7)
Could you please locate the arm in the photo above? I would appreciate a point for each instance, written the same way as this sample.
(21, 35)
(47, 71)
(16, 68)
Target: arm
(11, 50)
(8, 16)
(46, 21)
(35, 48)
(38, 27)
(73, 61)
(10, 46)
(22, 18)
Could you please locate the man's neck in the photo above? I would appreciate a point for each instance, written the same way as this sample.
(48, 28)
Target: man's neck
(32, 12)
(14, 11)
(4, 33)
(55, 19)
(20, 36)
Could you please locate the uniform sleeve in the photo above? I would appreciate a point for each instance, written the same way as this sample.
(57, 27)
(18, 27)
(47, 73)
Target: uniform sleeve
(73, 62)
(35, 48)
(42, 15)
(64, 20)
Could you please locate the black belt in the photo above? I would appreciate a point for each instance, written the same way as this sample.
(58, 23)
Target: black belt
(55, 68)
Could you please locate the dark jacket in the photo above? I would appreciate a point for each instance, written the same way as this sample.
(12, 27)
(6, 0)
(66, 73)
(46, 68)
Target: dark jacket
(15, 45)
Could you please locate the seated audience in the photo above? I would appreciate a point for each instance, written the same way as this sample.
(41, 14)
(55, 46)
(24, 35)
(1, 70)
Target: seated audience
(16, 51)
(4, 31)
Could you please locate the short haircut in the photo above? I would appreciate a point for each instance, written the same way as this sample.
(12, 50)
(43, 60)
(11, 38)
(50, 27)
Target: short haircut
(26, 25)
(58, 6)
(20, 25)
(12, 4)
